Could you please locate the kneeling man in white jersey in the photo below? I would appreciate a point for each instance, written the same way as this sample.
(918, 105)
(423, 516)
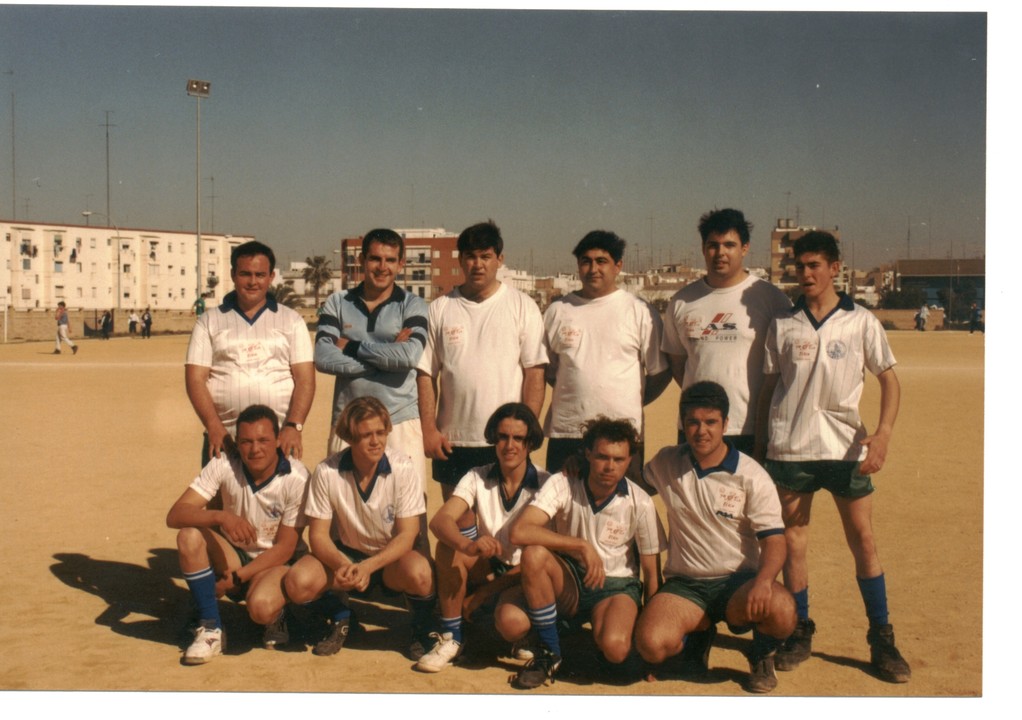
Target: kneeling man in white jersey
(605, 528)
(242, 550)
(371, 498)
(726, 543)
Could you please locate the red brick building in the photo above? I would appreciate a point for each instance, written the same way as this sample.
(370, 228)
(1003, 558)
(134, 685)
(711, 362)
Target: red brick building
(431, 262)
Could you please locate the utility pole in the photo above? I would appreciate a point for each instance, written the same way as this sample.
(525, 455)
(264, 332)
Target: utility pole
(107, 125)
(212, 206)
(14, 162)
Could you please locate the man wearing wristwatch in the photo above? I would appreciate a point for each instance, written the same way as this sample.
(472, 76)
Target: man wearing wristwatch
(245, 549)
(248, 351)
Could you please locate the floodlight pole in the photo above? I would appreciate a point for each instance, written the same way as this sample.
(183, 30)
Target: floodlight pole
(198, 89)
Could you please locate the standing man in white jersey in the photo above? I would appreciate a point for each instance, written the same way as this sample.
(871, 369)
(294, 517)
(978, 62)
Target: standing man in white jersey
(484, 349)
(816, 358)
(244, 549)
(715, 327)
(248, 351)
(364, 508)
(371, 338)
(599, 367)
(586, 537)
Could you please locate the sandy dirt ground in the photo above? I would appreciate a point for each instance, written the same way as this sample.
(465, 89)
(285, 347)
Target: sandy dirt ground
(100, 444)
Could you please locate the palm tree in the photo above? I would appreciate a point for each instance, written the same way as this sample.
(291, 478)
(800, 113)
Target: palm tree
(317, 274)
(286, 296)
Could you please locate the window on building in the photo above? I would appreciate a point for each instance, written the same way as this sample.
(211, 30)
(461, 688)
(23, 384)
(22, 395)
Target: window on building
(422, 292)
(127, 268)
(436, 254)
(58, 266)
(182, 292)
(212, 251)
(455, 271)
(58, 291)
(26, 264)
(93, 292)
(182, 271)
(78, 266)
(78, 293)
(92, 243)
(454, 254)
(154, 269)
(26, 293)
(436, 271)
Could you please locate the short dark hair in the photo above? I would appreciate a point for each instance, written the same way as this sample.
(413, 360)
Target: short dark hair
(481, 236)
(251, 249)
(720, 221)
(255, 413)
(613, 430)
(359, 410)
(818, 241)
(515, 411)
(384, 236)
(601, 240)
(705, 394)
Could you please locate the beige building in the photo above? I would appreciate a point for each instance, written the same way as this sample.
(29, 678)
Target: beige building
(95, 267)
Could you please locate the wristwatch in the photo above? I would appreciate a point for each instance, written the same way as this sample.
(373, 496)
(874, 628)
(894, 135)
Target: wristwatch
(296, 426)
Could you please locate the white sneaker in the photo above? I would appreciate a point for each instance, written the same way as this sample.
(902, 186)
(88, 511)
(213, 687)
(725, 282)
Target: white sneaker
(522, 649)
(208, 643)
(443, 654)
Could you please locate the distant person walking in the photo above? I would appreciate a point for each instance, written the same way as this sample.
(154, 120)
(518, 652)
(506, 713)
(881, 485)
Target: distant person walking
(62, 323)
(976, 319)
(106, 324)
(133, 322)
(921, 317)
(147, 324)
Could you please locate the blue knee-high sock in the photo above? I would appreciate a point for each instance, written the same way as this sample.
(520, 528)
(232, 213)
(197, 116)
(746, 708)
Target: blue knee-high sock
(802, 603)
(422, 612)
(331, 606)
(452, 626)
(202, 584)
(544, 621)
(763, 644)
(874, 594)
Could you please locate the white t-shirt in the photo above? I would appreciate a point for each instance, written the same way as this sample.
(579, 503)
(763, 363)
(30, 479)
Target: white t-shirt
(602, 350)
(250, 361)
(628, 515)
(814, 413)
(477, 351)
(715, 517)
(719, 333)
(480, 489)
(365, 523)
(277, 501)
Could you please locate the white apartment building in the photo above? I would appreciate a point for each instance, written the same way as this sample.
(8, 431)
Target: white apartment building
(95, 267)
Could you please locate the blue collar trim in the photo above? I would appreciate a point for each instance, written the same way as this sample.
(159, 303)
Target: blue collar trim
(283, 468)
(230, 302)
(729, 464)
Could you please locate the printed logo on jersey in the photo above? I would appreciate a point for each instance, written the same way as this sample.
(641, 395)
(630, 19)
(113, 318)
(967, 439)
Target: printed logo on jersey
(804, 350)
(836, 349)
(720, 329)
(388, 515)
(729, 502)
(275, 511)
(569, 336)
(454, 335)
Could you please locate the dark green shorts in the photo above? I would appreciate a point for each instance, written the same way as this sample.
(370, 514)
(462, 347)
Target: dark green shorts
(589, 598)
(711, 595)
(840, 477)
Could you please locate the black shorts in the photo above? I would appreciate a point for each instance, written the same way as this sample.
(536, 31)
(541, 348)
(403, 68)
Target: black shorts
(840, 477)
(459, 461)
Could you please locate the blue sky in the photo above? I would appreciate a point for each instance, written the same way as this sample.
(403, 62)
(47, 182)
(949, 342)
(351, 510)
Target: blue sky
(324, 123)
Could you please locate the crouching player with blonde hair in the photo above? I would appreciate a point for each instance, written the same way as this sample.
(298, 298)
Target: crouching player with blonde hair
(371, 498)
(243, 549)
(489, 564)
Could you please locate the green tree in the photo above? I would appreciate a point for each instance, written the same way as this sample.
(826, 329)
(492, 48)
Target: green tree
(286, 296)
(317, 274)
(908, 299)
